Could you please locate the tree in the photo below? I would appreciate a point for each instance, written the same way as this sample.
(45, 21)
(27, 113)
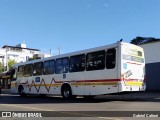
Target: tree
(1, 67)
(143, 40)
(11, 63)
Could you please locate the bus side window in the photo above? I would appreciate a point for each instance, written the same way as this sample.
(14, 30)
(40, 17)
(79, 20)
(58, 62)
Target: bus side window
(111, 58)
(20, 71)
(77, 63)
(28, 70)
(62, 65)
(49, 67)
(13, 74)
(38, 68)
(95, 60)
(65, 65)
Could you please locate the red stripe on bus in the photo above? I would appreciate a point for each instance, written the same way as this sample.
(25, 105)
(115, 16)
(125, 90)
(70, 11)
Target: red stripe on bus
(100, 80)
(133, 63)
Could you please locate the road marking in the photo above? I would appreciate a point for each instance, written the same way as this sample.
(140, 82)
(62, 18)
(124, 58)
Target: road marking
(67, 112)
(19, 106)
(108, 118)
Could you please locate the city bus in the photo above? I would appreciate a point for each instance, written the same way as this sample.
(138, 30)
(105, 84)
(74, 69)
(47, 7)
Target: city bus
(114, 68)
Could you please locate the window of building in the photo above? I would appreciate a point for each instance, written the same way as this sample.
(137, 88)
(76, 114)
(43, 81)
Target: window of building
(38, 68)
(95, 60)
(62, 65)
(111, 58)
(20, 71)
(28, 70)
(49, 67)
(77, 63)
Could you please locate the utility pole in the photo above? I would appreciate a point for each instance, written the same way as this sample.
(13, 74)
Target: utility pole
(50, 51)
(59, 51)
(7, 68)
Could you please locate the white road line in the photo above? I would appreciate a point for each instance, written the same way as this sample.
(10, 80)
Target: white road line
(19, 106)
(108, 118)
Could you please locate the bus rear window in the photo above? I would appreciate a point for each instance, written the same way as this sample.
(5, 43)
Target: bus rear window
(140, 53)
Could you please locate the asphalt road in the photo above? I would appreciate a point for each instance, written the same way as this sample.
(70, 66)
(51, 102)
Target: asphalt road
(86, 108)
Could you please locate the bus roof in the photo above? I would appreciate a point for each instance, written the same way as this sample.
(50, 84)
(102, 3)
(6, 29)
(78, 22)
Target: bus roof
(73, 53)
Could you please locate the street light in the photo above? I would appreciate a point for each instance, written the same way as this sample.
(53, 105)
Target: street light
(7, 68)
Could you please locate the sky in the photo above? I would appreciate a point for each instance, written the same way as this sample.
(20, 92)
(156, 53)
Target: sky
(73, 25)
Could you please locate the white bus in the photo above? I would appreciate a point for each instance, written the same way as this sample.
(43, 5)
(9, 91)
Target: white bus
(114, 68)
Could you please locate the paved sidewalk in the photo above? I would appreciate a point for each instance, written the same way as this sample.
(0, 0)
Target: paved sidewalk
(5, 91)
(146, 95)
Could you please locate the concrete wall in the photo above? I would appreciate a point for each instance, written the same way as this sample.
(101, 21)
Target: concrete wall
(151, 52)
(153, 76)
(152, 59)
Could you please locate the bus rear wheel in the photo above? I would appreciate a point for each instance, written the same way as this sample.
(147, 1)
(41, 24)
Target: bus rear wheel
(66, 92)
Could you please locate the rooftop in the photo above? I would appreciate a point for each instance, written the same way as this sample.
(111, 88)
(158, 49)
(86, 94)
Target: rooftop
(17, 47)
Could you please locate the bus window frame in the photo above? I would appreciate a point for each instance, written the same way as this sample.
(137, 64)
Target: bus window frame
(115, 58)
(63, 69)
(31, 73)
(35, 70)
(94, 65)
(22, 71)
(44, 73)
(80, 56)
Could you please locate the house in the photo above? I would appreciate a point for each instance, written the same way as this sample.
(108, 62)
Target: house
(152, 59)
(19, 53)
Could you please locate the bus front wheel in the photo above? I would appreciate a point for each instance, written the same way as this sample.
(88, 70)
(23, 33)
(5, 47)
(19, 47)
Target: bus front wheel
(21, 91)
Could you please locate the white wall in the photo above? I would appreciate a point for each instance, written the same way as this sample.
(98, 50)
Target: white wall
(2, 54)
(151, 52)
(18, 56)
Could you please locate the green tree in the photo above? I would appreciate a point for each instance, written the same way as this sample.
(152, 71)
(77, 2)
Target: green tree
(1, 67)
(143, 40)
(11, 63)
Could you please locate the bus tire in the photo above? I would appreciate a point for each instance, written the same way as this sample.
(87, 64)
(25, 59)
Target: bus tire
(21, 91)
(66, 91)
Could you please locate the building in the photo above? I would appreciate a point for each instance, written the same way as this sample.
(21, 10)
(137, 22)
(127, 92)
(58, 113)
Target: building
(19, 53)
(152, 59)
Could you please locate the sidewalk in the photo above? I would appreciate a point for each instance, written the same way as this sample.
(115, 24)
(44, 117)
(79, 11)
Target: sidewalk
(146, 95)
(5, 91)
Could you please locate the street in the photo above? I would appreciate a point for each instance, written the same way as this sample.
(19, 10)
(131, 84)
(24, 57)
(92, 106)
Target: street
(66, 108)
